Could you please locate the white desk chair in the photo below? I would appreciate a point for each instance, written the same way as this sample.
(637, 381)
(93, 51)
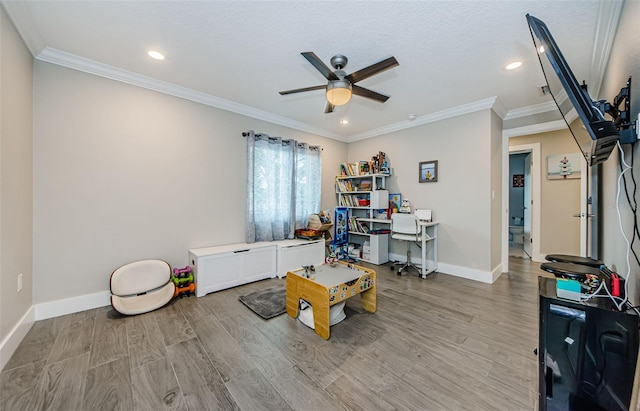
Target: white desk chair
(405, 227)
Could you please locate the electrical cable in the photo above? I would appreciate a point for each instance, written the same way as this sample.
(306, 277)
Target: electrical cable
(626, 283)
(612, 298)
(634, 308)
(633, 179)
(632, 205)
(593, 294)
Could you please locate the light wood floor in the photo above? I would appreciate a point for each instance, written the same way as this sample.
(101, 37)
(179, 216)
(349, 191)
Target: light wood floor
(443, 343)
(517, 250)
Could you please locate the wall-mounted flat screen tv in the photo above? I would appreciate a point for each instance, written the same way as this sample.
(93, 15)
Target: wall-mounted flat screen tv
(595, 136)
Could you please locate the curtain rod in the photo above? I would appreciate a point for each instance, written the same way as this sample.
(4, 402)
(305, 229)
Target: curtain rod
(247, 133)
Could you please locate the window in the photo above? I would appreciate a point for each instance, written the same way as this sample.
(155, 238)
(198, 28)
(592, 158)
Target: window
(283, 186)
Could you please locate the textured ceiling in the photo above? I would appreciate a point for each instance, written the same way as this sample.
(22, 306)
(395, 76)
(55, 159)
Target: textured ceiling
(241, 53)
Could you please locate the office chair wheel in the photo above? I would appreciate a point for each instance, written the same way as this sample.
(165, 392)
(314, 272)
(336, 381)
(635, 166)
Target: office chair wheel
(400, 271)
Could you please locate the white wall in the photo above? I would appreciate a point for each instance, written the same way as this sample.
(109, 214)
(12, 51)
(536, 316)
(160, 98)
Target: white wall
(496, 195)
(123, 173)
(461, 198)
(16, 198)
(624, 62)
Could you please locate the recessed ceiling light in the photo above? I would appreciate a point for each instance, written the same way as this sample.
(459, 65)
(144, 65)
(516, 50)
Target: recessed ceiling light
(513, 65)
(343, 122)
(156, 55)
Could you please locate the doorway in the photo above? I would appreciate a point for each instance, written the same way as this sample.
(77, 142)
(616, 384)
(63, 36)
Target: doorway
(533, 232)
(558, 243)
(520, 204)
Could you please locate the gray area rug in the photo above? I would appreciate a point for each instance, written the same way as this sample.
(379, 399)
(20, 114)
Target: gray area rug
(267, 303)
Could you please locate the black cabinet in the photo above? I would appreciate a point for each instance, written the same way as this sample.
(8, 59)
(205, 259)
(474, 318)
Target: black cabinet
(587, 353)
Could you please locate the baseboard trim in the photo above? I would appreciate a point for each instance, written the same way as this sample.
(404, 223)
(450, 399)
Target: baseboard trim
(47, 310)
(71, 305)
(488, 277)
(9, 345)
(468, 273)
(496, 273)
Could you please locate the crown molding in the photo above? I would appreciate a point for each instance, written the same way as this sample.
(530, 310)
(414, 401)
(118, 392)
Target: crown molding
(535, 129)
(485, 104)
(608, 20)
(531, 110)
(499, 108)
(72, 61)
(20, 15)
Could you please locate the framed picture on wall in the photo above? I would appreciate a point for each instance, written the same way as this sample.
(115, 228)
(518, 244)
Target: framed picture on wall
(563, 166)
(428, 171)
(518, 180)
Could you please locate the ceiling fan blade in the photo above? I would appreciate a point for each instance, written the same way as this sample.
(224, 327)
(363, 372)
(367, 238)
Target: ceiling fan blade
(365, 92)
(300, 90)
(319, 65)
(329, 108)
(373, 69)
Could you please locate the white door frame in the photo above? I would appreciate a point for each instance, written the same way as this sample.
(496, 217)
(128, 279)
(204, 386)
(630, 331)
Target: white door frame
(535, 150)
(584, 208)
(526, 213)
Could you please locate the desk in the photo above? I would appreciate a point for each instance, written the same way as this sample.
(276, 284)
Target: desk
(329, 286)
(429, 234)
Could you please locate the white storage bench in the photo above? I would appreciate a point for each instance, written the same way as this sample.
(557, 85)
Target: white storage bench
(225, 266)
(293, 254)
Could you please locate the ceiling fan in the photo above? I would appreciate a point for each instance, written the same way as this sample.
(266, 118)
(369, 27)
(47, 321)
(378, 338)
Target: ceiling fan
(341, 85)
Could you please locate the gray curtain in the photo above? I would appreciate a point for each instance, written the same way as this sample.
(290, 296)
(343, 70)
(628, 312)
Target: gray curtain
(283, 186)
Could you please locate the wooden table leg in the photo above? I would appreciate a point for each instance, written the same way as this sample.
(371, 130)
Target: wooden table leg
(293, 296)
(368, 298)
(321, 318)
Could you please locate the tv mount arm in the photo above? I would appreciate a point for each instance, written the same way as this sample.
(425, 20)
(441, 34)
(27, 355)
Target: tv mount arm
(621, 118)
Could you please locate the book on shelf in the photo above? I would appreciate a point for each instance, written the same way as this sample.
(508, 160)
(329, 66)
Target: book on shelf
(366, 167)
(359, 168)
(353, 224)
(344, 186)
(352, 169)
(358, 226)
(363, 227)
(365, 185)
(349, 200)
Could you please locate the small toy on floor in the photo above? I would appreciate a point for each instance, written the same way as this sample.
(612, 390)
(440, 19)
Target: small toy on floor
(183, 279)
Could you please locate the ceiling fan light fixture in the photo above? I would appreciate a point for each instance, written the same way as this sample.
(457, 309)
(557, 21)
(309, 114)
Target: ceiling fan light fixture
(155, 54)
(340, 85)
(513, 65)
(339, 92)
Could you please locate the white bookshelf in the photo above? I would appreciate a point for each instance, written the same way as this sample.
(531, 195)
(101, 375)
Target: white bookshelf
(364, 195)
